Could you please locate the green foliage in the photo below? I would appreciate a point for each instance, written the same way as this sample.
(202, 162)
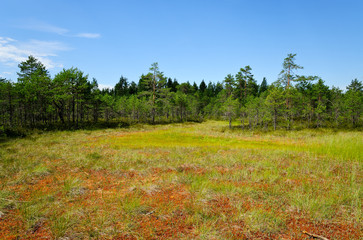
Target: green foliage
(229, 108)
(122, 87)
(263, 87)
(71, 90)
(71, 101)
(275, 101)
(202, 86)
(287, 73)
(229, 84)
(246, 84)
(354, 102)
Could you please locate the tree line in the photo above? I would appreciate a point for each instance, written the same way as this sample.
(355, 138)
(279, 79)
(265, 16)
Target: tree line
(71, 100)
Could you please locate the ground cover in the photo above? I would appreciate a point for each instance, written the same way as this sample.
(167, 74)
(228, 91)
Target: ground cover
(182, 181)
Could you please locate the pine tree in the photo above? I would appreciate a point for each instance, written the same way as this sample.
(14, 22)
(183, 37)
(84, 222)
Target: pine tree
(287, 73)
(243, 78)
(122, 87)
(275, 101)
(354, 101)
(229, 109)
(202, 86)
(320, 96)
(229, 84)
(70, 89)
(7, 102)
(263, 87)
(34, 88)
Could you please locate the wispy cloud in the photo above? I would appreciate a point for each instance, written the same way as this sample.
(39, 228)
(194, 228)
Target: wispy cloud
(4, 40)
(5, 74)
(13, 52)
(88, 35)
(44, 48)
(46, 27)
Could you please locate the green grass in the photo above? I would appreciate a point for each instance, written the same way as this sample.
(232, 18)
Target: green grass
(187, 181)
(343, 146)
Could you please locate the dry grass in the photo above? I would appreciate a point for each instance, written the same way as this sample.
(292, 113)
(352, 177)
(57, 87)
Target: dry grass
(182, 181)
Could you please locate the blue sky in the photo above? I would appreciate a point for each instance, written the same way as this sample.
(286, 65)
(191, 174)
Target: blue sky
(191, 40)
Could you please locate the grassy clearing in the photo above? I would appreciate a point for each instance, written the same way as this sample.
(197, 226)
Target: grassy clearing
(182, 181)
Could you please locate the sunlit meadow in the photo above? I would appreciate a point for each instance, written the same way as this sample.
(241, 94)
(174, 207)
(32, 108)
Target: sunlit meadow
(182, 181)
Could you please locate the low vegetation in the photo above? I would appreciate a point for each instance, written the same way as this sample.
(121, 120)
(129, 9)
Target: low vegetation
(182, 181)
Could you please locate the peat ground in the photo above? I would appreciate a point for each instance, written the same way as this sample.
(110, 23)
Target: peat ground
(182, 181)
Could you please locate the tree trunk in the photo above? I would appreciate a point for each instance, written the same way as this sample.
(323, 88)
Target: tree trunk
(59, 110)
(275, 116)
(60, 114)
(73, 109)
(10, 109)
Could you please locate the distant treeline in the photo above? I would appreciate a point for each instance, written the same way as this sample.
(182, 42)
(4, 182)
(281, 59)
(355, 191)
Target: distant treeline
(70, 100)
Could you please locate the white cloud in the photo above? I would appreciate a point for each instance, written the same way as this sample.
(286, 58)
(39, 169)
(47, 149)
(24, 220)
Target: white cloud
(46, 27)
(104, 86)
(88, 35)
(13, 52)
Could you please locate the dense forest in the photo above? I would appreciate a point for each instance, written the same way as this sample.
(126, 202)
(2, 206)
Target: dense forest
(71, 100)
